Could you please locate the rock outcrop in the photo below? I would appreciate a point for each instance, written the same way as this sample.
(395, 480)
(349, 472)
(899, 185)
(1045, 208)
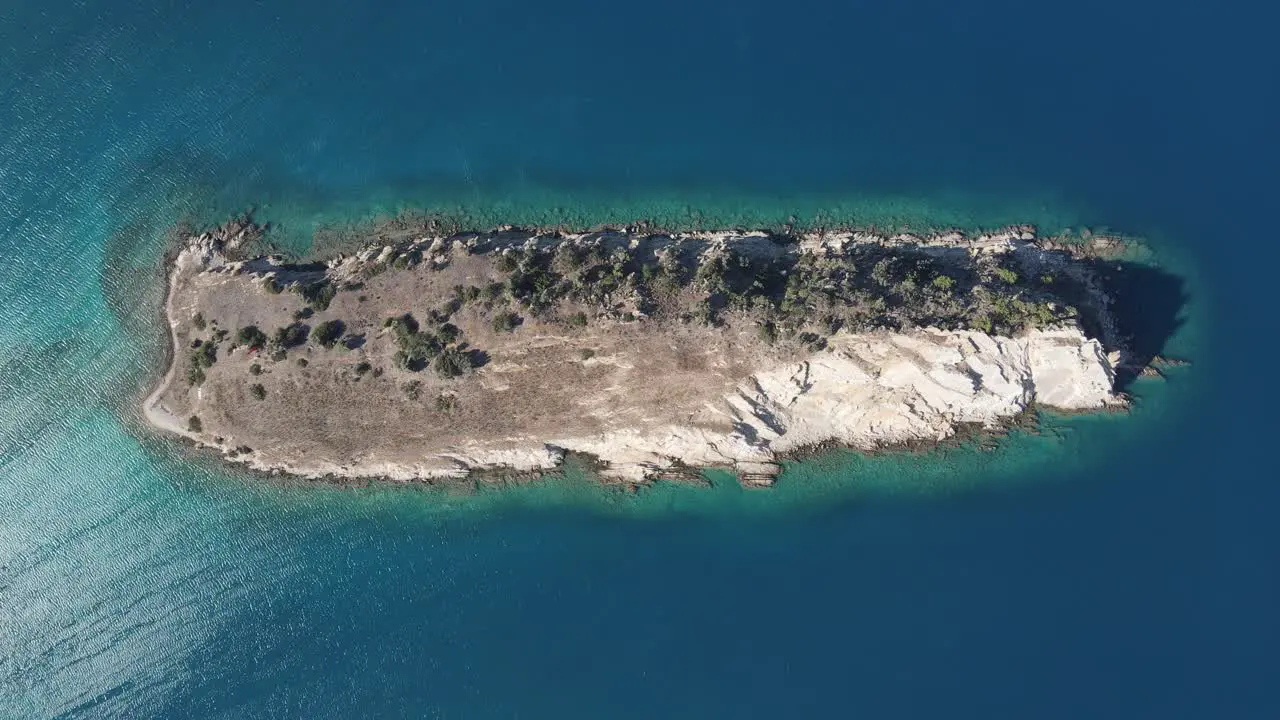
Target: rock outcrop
(864, 392)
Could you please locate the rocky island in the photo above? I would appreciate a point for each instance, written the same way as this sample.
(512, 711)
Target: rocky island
(430, 356)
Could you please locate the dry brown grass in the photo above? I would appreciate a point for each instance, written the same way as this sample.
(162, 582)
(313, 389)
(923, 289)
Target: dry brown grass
(538, 381)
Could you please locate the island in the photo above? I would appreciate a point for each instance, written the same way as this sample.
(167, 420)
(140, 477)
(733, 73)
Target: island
(434, 356)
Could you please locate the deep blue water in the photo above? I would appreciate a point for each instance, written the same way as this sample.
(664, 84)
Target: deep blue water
(1118, 567)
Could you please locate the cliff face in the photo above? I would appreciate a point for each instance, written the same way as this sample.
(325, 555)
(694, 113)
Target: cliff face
(866, 392)
(645, 396)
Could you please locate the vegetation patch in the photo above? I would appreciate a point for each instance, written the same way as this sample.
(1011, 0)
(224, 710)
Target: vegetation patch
(319, 295)
(328, 332)
(202, 358)
(505, 321)
(252, 337)
(452, 362)
(292, 335)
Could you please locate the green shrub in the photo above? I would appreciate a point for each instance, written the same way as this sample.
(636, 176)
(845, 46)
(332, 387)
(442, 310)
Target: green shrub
(1007, 275)
(450, 306)
(258, 392)
(416, 350)
(705, 314)
(813, 341)
(328, 332)
(401, 325)
(505, 321)
(251, 336)
(507, 262)
(944, 282)
(767, 333)
(291, 335)
(362, 368)
(318, 295)
(255, 369)
(448, 333)
(194, 425)
(198, 321)
(883, 272)
(445, 403)
(578, 319)
(452, 362)
(1043, 314)
(195, 375)
(205, 355)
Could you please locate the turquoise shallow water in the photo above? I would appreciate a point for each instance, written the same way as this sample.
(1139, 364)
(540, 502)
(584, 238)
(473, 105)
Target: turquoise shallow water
(1112, 566)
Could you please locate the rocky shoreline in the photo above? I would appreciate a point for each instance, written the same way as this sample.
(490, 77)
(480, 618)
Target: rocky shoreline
(648, 384)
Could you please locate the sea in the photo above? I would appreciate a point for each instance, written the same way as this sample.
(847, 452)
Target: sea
(1108, 566)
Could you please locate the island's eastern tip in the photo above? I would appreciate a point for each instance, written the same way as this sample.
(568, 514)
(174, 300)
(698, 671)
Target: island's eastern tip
(428, 356)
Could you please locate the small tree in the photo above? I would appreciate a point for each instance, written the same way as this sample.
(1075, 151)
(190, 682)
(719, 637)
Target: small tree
(292, 335)
(319, 295)
(328, 332)
(253, 337)
(258, 392)
(447, 333)
(452, 362)
(205, 355)
(194, 425)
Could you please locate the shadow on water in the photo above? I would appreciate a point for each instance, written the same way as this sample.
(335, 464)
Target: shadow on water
(1149, 307)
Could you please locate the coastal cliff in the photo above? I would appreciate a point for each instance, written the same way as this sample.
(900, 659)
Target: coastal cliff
(437, 357)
